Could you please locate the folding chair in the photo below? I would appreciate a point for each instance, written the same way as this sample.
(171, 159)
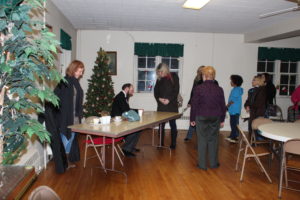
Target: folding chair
(99, 142)
(255, 124)
(251, 152)
(290, 161)
(279, 115)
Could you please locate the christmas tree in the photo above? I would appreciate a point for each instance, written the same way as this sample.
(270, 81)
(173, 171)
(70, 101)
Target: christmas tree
(100, 91)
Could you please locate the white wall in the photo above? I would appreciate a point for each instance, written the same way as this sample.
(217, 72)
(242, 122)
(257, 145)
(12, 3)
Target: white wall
(58, 21)
(226, 52)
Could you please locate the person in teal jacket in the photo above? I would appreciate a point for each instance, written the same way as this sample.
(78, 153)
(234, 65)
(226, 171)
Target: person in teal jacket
(234, 106)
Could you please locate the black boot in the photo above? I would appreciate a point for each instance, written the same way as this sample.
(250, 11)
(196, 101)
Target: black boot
(162, 138)
(173, 140)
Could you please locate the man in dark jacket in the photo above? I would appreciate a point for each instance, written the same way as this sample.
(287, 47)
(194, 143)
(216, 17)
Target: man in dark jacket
(120, 105)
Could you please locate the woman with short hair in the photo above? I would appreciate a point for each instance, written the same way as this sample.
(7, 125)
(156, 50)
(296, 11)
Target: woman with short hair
(208, 114)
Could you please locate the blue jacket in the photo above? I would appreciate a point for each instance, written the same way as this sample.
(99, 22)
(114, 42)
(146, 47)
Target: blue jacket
(236, 97)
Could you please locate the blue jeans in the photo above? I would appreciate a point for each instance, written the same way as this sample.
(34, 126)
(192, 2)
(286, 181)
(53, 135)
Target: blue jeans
(67, 143)
(234, 121)
(190, 132)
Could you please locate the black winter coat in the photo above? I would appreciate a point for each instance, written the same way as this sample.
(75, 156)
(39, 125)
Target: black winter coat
(167, 88)
(65, 115)
(65, 93)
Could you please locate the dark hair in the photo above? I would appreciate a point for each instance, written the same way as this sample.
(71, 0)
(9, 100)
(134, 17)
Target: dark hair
(236, 80)
(267, 76)
(126, 85)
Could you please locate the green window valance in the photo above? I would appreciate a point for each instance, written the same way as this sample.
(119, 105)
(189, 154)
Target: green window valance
(65, 40)
(283, 54)
(158, 49)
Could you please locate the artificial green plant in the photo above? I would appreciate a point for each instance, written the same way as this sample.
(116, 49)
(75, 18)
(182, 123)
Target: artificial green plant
(27, 51)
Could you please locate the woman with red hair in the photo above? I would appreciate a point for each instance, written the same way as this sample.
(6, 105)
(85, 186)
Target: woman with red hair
(208, 113)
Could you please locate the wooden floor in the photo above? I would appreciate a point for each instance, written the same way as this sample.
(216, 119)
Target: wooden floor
(154, 174)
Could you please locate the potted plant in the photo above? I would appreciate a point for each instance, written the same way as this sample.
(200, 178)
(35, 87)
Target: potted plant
(27, 51)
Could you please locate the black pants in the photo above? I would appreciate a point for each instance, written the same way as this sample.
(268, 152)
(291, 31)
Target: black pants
(131, 141)
(173, 132)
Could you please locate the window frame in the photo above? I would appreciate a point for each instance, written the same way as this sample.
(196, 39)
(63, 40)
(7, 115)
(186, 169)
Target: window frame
(158, 59)
(277, 75)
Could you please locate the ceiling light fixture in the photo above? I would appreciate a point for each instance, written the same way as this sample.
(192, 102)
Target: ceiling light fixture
(195, 4)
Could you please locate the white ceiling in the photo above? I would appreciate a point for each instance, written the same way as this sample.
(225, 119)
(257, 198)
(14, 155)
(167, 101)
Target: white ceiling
(218, 16)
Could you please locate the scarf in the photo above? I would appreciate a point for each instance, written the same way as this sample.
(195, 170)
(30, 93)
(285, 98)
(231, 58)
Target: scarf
(79, 96)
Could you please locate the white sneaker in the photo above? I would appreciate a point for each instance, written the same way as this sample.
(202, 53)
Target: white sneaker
(233, 140)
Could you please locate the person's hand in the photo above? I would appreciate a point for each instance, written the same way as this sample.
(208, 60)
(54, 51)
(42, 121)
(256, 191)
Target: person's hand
(229, 104)
(247, 108)
(166, 101)
(161, 100)
(193, 123)
(222, 125)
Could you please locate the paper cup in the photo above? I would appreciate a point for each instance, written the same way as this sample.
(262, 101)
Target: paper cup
(96, 120)
(118, 118)
(105, 120)
(141, 112)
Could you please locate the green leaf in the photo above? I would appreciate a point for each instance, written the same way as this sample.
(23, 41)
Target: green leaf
(26, 28)
(5, 68)
(41, 95)
(2, 12)
(53, 48)
(3, 24)
(16, 17)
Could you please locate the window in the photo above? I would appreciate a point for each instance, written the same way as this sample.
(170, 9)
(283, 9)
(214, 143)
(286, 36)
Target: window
(146, 74)
(148, 56)
(287, 78)
(285, 74)
(266, 66)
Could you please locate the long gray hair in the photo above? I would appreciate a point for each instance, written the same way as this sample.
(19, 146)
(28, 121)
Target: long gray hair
(164, 68)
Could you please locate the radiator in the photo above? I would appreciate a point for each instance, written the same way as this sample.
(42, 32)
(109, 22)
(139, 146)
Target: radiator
(33, 157)
(184, 118)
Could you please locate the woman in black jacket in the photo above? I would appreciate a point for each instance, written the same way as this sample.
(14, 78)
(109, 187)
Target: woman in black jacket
(70, 111)
(166, 92)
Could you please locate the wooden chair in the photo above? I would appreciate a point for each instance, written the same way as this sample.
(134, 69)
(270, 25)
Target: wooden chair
(255, 124)
(290, 161)
(251, 152)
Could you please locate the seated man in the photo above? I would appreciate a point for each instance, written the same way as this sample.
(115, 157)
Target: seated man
(120, 105)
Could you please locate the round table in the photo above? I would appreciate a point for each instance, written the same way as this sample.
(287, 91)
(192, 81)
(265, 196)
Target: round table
(280, 131)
